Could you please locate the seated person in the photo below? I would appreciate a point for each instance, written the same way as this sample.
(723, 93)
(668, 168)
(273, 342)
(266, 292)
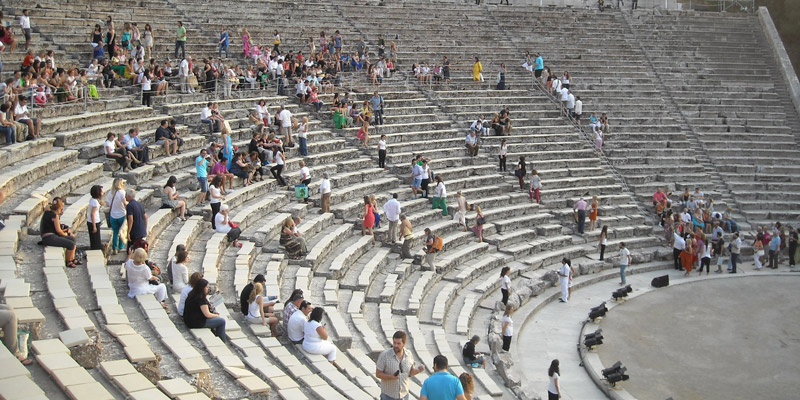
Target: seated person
(54, 234)
(141, 280)
(205, 117)
(186, 289)
(470, 355)
(170, 198)
(8, 323)
(173, 133)
(255, 310)
(472, 144)
(291, 240)
(297, 322)
(315, 337)
(197, 312)
(222, 225)
(164, 138)
(180, 273)
(114, 150)
(221, 169)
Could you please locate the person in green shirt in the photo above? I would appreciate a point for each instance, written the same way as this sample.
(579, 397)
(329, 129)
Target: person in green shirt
(180, 42)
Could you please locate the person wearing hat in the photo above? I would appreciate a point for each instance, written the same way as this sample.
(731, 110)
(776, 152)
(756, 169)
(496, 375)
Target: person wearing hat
(223, 225)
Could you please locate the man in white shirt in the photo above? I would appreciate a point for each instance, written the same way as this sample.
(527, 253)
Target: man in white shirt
(563, 279)
(677, 248)
(392, 211)
(183, 73)
(578, 110)
(25, 24)
(472, 144)
(564, 100)
(325, 192)
(22, 116)
(205, 117)
(298, 321)
(477, 126)
(285, 116)
(624, 261)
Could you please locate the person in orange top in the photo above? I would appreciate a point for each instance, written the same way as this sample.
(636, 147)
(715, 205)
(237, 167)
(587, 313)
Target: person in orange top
(593, 214)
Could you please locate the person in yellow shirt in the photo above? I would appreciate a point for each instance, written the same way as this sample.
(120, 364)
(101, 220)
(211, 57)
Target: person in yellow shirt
(477, 70)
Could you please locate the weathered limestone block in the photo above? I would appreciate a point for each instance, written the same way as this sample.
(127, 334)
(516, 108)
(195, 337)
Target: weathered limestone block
(88, 355)
(150, 369)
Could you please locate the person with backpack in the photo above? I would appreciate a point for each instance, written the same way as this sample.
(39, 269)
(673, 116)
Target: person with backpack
(433, 245)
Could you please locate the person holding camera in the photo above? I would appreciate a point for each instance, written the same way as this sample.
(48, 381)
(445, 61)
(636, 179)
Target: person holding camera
(394, 368)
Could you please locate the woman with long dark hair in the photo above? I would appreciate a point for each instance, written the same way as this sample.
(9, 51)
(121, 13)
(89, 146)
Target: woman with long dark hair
(170, 198)
(197, 312)
(603, 241)
(554, 389)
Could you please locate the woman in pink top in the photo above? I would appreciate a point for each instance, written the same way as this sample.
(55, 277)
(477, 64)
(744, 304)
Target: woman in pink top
(220, 169)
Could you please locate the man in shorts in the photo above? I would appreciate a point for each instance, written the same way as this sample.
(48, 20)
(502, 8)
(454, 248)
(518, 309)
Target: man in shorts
(201, 163)
(417, 173)
(538, 66)
(25, 24)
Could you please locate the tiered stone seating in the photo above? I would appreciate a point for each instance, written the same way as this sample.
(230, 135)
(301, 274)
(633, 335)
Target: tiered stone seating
(732, 105)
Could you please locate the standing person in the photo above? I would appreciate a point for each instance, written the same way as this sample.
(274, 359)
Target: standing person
(461, 212)
(394, 368)
(505, 286)
(302, 136)
(705, 258)
(442, 384)
(223, 42)
(276, 169)
(201, 167)
(563, 279)
(440, 201)
(553, 389)
(677, 247)
(305, 178)
(792, 238)
(758, 250)
(603, 241)
(382, 152)
(369, 218)
(501, 77)
(774, 251)
(538, 66)
(416, 178)
(593, 214)
(477, 69)
(406, 232)
(624, 261)
(285, 116)
(576, 115)
(598, 140)
(508, 327)
(183, 73)
(502, 154)
(520, 172)
(137, 219)
(480, 220)
(536, 185)
(117, 203)
(25, 24)
(376, 101)
(148, 38)
(325, 193)
(580, 209)
(180, 40)
(392, 211)
(426, 177)
(736, 245)
(93, 220)
(197, 311)
(446, 70)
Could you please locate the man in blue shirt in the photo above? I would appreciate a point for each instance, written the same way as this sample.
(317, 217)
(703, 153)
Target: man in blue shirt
(223, 42)
(538, 66)
(377, 107)
(442, 385)
(774, 248)
(201, 164)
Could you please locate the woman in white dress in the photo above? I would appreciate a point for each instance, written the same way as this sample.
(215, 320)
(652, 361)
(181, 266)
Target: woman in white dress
(141, 280)
(316, 337)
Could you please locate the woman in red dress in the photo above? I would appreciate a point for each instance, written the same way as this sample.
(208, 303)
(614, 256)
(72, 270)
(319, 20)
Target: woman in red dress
(369, 218)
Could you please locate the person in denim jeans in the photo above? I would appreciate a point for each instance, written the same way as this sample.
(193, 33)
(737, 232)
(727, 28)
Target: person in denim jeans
(223, 42)
(6, 126)
(198, 313)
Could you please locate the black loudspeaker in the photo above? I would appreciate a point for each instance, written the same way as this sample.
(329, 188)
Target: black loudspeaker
(660, 281)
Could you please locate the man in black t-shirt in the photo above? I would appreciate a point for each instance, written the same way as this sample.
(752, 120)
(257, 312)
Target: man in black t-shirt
(137, 219)
(469, 353)
(163, 139)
